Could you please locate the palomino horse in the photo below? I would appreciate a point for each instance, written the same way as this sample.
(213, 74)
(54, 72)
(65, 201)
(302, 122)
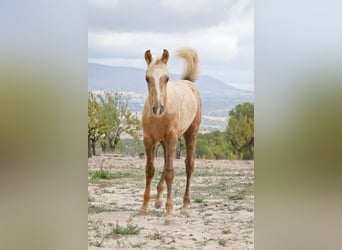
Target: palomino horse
(172, 109)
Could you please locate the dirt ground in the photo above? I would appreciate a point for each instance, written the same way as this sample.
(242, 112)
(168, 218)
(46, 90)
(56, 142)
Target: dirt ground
(221, 215)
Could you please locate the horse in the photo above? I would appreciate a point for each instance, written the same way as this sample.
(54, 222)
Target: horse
(171, 109)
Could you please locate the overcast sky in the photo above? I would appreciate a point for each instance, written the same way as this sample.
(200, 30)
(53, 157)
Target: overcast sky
(222, 31)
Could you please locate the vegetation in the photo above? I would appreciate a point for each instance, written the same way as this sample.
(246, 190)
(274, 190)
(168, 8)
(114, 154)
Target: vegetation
(130, 146)
(240, 129)
(126, 230)
(236, 142)
(214, 145)
(96, 125)
(199, 199)
(156, 236)
(108, 119)
(101, 174)
(222, 242)
(226, 231)
(93, 209)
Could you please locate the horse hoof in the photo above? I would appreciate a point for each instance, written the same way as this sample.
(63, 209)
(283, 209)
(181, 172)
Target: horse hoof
(184, 212)
(169, 221)
(158, 204)
(143, 212)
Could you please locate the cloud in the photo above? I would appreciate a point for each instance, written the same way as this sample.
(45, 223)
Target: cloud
(213, 44)
(222, 31)
(103, 4)
(190, 8)
(163, 15)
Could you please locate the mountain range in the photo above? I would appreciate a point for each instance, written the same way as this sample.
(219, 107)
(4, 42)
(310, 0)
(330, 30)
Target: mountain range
(218, 98)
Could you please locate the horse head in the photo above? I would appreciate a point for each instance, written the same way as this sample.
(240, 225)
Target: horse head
(157, 77)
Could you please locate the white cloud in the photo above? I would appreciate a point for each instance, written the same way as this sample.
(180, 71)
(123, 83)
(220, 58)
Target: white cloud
(186, 7)
(103, 4)
(219, 43)
(223, 47)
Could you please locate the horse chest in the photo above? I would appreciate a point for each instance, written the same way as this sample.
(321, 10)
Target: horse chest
(157, 127)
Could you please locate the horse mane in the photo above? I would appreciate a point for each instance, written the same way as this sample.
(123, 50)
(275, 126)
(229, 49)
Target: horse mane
(191, 67)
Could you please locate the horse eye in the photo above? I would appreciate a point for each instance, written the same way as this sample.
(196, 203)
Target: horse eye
(146, 79)
(167, 79)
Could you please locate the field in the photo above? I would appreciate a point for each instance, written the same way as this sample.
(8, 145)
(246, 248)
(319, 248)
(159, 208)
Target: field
(221, 214)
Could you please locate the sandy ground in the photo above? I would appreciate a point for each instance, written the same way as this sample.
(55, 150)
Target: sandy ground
(221, 214)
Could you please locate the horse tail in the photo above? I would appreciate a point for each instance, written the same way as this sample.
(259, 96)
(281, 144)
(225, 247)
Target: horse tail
(191, 66)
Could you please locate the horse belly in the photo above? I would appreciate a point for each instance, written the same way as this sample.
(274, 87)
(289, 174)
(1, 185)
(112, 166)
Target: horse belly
(186, 117)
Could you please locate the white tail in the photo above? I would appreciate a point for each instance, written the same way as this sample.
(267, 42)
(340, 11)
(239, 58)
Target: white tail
(191, 67)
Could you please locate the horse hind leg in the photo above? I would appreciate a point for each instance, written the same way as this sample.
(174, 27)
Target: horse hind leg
(160, 186)
(190, 142)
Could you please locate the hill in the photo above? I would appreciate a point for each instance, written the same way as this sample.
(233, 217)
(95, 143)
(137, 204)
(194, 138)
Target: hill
(217, 97)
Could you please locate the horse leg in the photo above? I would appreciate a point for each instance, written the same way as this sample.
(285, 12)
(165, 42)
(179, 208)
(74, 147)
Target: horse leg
(170, 146)
(190, 142)
(160, 186)
(149, 171)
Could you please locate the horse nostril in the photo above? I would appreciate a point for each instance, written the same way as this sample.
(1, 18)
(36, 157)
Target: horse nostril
(161, 109)
(154, 109)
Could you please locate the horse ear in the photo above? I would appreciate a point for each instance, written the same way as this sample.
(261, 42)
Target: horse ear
(165, 56)
(148, 57)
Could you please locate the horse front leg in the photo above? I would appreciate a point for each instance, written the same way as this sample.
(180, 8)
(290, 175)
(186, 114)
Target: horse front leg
(149, 171)
(160, 186)
(170, 147)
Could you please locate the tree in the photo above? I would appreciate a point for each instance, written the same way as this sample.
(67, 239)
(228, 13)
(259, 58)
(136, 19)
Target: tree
(118, 120)
(218, 147)
(213, 145)
(109, 118)
(240, 129)
(95, 124)
(202, 150)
